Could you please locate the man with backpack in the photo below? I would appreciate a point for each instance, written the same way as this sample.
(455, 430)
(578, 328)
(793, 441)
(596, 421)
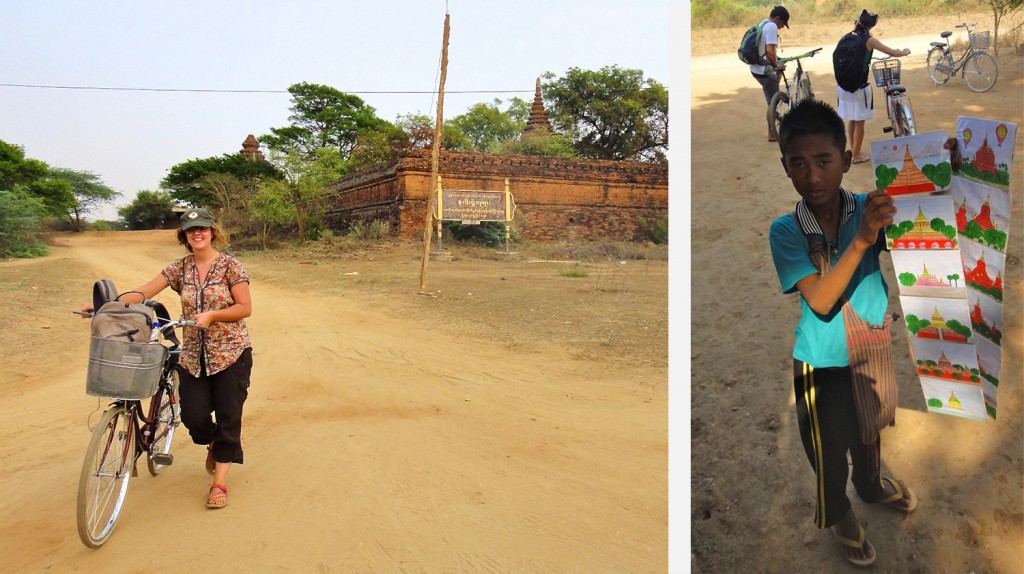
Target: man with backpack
(851, 62)
(765, 67)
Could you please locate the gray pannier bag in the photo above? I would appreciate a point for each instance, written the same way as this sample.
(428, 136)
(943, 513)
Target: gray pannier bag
(123, 363)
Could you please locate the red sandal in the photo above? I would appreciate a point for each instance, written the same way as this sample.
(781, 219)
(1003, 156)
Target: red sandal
(217, 499)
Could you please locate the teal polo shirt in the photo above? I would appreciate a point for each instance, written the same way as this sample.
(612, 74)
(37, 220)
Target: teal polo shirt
(821, 339)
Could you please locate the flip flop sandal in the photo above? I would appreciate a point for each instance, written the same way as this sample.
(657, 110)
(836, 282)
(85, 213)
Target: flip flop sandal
(901, 491)
(211, 464)
(863, 160)
(858, 544)
(217, 499)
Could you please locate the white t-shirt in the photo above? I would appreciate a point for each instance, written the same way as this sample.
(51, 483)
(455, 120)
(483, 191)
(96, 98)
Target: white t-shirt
(769, 35)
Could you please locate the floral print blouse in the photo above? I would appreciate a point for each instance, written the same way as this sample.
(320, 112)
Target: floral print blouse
(222, 343)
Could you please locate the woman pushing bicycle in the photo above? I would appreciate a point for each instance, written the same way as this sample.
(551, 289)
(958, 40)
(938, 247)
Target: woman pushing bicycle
(215, 363)
(855, 101)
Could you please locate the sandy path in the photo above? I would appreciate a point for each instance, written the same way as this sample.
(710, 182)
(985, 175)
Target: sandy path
(368, 448)
(752, 497)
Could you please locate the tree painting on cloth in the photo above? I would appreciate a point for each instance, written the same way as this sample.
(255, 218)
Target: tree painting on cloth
(982, 213)
(984, 269)
(987, 150)
(953, 398)
(929, 273)
(922, 223)
(938, 319)
(912, 165)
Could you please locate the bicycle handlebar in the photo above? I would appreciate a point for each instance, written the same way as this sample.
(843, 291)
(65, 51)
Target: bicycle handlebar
(805, 55)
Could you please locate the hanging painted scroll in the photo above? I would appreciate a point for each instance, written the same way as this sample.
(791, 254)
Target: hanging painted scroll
(948, 244)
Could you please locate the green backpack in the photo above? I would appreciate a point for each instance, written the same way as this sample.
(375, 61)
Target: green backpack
(749, 52)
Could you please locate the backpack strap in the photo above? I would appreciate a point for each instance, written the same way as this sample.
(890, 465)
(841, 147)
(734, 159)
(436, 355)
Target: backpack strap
(103, 291)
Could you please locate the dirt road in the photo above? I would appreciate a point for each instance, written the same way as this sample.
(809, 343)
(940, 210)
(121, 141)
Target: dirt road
(752, 490)
(514, 420)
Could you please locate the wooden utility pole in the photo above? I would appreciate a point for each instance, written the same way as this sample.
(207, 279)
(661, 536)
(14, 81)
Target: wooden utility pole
(434, 156)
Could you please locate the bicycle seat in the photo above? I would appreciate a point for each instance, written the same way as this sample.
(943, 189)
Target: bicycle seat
(946, 34)
(897, 89)
(939, 44)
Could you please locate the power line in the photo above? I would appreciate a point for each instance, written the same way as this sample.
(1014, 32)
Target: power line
(216, 91)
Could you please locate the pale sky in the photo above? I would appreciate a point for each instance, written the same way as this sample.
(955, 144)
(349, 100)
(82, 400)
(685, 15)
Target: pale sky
(131, 138)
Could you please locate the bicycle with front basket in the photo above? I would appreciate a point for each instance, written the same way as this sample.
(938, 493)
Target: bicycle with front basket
(128, 373)
(980, 69)
(798, 90)
(886, 72)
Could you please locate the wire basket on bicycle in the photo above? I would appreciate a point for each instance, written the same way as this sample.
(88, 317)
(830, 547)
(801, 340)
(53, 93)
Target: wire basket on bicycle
(886, 72)
(980, 40)
(123, 362)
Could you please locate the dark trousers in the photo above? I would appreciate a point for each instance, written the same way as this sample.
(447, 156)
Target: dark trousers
(222, 396)
(828, 429)
(769, 85)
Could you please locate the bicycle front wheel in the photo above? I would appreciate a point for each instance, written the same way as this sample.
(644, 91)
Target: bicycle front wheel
(103, 484)
(937, 58)
(168, 416)
(904, 119)
(981, 71)
(776, 109)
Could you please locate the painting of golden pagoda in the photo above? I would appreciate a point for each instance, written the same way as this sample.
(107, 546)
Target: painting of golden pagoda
(917, 164)
(921, 235)
(953, 402)
(910, 179)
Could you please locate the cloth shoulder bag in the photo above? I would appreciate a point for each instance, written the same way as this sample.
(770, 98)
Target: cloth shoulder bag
(869, 348)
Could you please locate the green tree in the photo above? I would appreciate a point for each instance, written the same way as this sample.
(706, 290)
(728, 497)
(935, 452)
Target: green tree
(20, 216)
(954, 278)
(379, 147)
(487, 126)
(149, 210)
(185, 180)
(551, 145)
(885, 175)
(1001, 9)
(915, 324)
(271, 208)
(306, 180)
(322, 117)
(907, 279)
(612, 113)
(995, 238)
(89, 191)
(16, 169)
(973, 230)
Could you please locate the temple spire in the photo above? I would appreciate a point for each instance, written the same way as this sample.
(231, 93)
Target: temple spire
(251, 149)
(537, 123)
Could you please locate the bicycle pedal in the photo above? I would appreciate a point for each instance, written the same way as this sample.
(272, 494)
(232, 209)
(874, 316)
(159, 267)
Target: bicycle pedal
(163, 459)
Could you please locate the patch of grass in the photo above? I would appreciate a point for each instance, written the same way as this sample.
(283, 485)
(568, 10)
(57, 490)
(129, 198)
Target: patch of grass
(574, 272)
(375, 230)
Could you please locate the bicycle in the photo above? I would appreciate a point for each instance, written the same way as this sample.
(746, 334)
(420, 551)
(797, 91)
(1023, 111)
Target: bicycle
(886, 72)
(126, 430)
(799, 90)
(979, 68)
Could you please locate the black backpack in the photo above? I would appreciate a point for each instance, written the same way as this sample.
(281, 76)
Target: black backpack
(850, 62)
(749, 51)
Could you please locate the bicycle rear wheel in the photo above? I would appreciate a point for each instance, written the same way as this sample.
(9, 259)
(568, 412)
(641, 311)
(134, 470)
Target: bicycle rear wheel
(937, 58)
(981, 71)
(904, 119)
(168, 416)
(103, 483)
(776, 109)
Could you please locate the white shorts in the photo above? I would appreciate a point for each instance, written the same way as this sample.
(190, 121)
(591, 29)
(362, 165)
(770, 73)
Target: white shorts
(855, 106)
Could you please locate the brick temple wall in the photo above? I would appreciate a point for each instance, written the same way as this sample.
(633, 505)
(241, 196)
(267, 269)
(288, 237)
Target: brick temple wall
(556, 198)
